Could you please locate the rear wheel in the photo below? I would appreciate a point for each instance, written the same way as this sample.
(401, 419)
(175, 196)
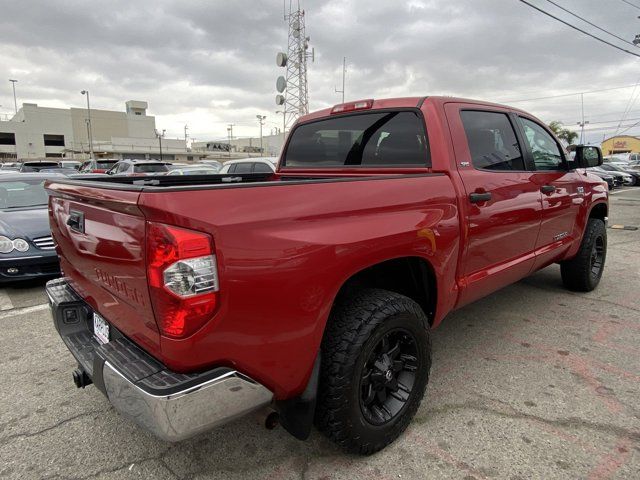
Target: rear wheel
(583, 272)
(376, 357)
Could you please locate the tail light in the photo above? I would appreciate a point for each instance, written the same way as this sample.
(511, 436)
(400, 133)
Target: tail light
(183, 278)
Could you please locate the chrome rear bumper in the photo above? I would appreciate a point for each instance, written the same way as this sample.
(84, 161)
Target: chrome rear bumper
(171, 405)
(188, 412)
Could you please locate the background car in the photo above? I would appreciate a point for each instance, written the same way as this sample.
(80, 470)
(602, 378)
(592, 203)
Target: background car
(627, 170)
(70, 164)
(192, 170)
(138, 168)
(212, 163)
(61, 171)
(36, 166)
(10, 166)
(27, 250)
(250, 165)
(97, 166)
(612, 182)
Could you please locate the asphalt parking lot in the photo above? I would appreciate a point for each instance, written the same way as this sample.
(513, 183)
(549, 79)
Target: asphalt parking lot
(531, 382)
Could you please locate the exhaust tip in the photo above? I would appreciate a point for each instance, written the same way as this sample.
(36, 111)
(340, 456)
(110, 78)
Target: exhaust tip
(272, 421)
(80, 378)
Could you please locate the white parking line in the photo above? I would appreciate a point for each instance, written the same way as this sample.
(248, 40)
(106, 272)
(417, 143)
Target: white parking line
(24, 310)
(5, 301)
(621, 191)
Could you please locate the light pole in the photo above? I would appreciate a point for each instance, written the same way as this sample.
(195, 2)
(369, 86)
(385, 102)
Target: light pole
(15, 102)
(160, 135)
(284, 124)
(90, 133)
(344, 71)
(261, 119)
(581, 125)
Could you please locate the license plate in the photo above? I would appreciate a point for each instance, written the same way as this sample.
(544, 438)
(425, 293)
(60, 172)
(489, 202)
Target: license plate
(100, 328)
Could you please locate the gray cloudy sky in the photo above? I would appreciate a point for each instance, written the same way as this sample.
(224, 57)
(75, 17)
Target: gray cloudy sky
(209, 63)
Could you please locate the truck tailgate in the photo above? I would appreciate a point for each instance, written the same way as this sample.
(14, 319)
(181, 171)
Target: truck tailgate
(100, 237)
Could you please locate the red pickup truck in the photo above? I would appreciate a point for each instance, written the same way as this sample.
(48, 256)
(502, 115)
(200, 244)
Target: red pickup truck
(192, 300)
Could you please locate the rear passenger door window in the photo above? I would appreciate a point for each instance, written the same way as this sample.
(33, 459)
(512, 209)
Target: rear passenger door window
(492, 141)
(243, 167)
(261, 168)
(545, 150)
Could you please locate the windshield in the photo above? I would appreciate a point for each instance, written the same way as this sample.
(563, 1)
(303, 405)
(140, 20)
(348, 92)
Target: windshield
(36, 167)
(150, 168)
(22, 193)
(105, 165)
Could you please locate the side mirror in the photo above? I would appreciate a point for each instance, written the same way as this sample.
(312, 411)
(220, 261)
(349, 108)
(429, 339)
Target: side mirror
(587, 156)
(109, 172)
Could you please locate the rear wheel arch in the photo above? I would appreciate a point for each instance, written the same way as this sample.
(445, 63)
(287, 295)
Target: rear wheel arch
(411, 276)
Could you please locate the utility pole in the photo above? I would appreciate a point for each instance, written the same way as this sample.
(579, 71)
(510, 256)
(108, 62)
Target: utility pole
(160, 135)
(230, 133)
(582, 123)
(86, 92)
(261, 119)
(344, 71)
(284, 124)
(15, 102)
(186, 127)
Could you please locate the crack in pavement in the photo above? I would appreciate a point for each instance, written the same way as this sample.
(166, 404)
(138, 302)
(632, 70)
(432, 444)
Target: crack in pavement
(7, 439)
(571, 422)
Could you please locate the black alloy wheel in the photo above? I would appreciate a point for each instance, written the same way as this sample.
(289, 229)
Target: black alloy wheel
(388, 377)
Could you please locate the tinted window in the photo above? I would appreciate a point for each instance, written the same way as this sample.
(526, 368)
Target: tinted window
(546, 152)
(492, 141)
(243, 167)
(232, 168)
(371, 139)
(150, 168)
(104, 165)
(262, 168)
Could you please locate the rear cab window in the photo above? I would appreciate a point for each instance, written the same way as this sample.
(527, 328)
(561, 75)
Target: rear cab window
(371, 139)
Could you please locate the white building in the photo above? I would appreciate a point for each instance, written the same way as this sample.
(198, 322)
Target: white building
(41, 132)
(241, 147)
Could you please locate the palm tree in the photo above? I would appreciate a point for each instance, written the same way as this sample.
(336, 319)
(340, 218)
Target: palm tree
(564, 134)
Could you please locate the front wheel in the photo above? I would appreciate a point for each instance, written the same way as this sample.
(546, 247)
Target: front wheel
(583, 272)
(376, 357)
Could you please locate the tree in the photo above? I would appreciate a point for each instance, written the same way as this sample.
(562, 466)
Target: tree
(564, 134)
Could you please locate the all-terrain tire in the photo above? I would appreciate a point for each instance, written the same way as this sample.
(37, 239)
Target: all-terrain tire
(358, 327)
(583, 272)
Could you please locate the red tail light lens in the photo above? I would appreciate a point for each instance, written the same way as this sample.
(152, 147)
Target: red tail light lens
(183, 278)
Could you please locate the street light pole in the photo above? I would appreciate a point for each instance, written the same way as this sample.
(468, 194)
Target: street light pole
(261, 119)
(15, 102)
(160, 135)
(284, 124)
(86, 92)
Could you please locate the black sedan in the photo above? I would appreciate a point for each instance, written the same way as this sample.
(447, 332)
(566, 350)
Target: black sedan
(635, 174)
(27, 250)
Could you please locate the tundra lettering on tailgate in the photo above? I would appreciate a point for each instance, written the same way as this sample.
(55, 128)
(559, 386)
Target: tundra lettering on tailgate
(119, 286)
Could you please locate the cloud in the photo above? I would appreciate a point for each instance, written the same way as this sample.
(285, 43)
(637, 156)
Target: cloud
(207, 64)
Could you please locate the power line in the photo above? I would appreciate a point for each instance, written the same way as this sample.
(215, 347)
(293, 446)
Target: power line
(579, 29)
(629, 3)
(568, 94)
(591, 23)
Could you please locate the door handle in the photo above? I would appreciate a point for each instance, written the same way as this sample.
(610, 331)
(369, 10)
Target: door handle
(547, 189)
(479, 197)
(76, 221)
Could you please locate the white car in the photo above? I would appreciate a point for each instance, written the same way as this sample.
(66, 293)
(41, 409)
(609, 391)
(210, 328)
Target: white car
(250, 165)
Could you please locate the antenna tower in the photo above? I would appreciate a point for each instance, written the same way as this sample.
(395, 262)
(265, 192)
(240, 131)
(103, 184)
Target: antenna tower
(293, 87)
